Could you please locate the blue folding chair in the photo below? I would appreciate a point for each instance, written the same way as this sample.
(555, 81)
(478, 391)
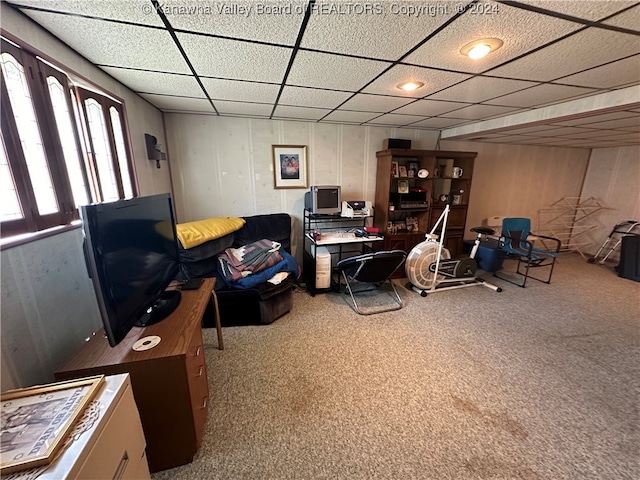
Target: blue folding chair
(516, 243)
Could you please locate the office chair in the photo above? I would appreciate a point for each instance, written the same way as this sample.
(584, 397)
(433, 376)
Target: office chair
(369, 272)
(516, 243)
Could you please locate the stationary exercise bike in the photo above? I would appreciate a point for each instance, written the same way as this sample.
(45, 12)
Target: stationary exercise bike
(430, 268)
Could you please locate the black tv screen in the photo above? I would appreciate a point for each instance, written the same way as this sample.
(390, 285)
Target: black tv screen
(131, 251)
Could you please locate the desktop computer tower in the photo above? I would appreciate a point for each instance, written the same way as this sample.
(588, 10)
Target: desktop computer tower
(323, 268)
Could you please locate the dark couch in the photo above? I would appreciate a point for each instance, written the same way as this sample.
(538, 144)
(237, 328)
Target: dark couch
(261, 304)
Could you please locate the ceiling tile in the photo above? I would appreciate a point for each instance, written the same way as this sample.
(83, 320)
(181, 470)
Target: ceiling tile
(177, 104)
(596, 118)
(243, 108)
(434, 80)
(394, 119)
(540, 95)
(439, 122)
(123, 10)
(558, 131)
(630, 137)
(242, 57)
(322, 70)
(312, 97)
(504, 22)
(374, 103)
(506, 139)
(386, 31)
(613, 74)
(349, 117)
(569, 56)
(94, 39)
(528, 130)
(588, 134)
(430, 108)
(478, 89)
(591, 10)
(300, 112)
(242, 91)
(476, 112)
(628, 19)
(248, 20)
(156, 82)
(236, 60)
(630, 124)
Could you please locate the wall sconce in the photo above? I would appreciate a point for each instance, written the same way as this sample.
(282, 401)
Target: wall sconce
(153, 149)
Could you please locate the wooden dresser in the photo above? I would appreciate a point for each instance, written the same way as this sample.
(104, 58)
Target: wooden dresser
(169, 380)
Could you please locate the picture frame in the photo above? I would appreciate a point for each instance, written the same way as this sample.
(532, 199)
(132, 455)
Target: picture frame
(413, 169)
(394, 169)
(36, 421)
(290, 166)
(403, 186)
(412, 223)
(403, 171)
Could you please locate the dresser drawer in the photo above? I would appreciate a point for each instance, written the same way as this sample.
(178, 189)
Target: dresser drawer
(119, 451)
(198, 386)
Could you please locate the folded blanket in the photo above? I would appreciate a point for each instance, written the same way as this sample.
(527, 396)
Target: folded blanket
(192, 234)
(288, 264)
(236, 263)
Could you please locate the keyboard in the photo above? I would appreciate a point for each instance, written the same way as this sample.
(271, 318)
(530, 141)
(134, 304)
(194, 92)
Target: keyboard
(338, 236)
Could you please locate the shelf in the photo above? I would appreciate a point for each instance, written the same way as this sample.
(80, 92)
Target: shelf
(443, 162)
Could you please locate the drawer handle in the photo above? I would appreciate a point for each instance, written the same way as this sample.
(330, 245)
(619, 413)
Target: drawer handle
(200, 371)
(204, 403)
(122, 466)
(197, 351)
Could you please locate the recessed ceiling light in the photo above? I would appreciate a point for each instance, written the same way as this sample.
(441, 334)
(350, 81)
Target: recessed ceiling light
(410, 86)
(481, 48)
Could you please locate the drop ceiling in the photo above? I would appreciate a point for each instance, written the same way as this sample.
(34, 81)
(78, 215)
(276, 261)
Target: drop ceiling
(567, 75)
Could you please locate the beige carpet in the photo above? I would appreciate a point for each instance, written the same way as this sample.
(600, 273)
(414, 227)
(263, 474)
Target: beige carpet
(535, 383)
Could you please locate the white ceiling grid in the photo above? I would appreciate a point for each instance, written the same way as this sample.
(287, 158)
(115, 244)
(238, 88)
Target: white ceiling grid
(341, 62)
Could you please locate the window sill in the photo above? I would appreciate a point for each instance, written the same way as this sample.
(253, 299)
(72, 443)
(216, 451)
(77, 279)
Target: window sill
(18, 240)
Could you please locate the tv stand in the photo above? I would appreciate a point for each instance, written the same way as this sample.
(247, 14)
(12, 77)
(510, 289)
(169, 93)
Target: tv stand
(169, 381)
(166, 303)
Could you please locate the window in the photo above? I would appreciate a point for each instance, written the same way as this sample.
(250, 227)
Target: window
(62, 145)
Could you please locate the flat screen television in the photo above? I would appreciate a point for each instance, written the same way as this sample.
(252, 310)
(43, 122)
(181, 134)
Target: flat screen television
(323, 199)
(131, 251)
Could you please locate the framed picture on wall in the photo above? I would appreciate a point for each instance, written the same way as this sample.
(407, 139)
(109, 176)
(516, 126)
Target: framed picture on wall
(290, 166)
(37, 420)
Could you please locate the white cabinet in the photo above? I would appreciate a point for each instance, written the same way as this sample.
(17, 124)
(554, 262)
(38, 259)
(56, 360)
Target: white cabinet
(114, 446)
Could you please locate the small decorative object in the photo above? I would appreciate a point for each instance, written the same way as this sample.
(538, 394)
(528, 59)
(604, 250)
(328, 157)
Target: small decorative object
(154, 149)
(403, 171)
(290, 166)
(423, 173)
(401, 225)
(412, 223)
(414, 167)
(443, 197)
(394, 169)
(36, 420)
(457, 200)
(457, 172)
(403, 186)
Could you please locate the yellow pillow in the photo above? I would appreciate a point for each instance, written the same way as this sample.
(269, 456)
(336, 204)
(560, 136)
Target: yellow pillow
(192, 234)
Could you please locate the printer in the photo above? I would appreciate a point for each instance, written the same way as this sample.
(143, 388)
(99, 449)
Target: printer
(356, 209)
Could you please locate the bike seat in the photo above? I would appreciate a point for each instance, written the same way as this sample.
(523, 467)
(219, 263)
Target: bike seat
(483, 230)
